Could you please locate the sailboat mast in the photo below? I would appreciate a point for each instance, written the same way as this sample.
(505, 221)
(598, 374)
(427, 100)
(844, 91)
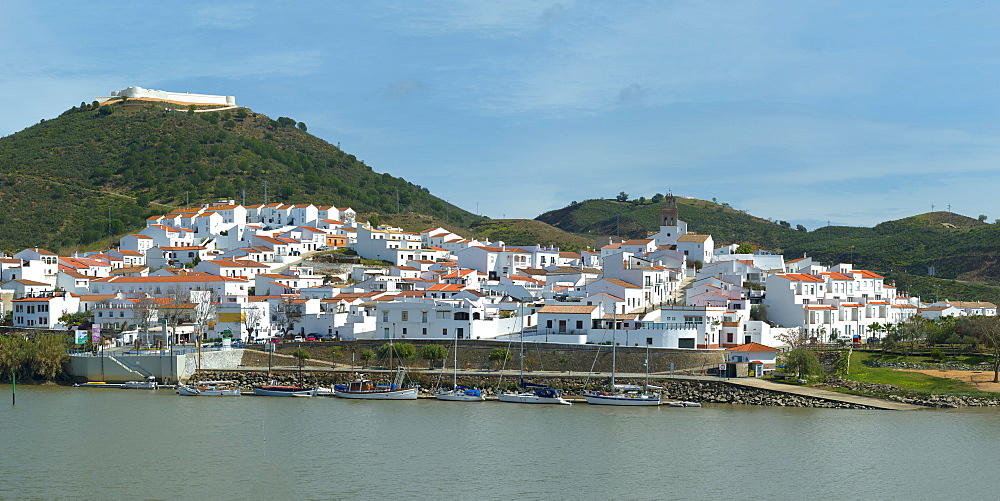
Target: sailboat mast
(647, 366)
(614, 363)
(454, 373)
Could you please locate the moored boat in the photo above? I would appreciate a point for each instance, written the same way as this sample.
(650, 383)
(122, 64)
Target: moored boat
(460, 394)
(209, 388)
(536, 396)
(370, 390)
(148, 384)
(273, 390)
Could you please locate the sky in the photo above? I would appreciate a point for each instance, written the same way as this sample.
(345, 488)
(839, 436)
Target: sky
(820, 112)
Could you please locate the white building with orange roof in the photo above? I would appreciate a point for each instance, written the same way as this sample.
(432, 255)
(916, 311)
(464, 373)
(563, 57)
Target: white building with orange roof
(494, 261)
(161, 256)
(418, 318)
(42, 310)
(166, 285)
(44, 264)
(129, 257)
(22, 287)
(73, 281)
(136, 242)
(387, 244)
(168, 236)
(234, 268)
(838, 303)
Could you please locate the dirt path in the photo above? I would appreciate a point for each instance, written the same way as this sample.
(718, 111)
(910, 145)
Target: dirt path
(982, 380)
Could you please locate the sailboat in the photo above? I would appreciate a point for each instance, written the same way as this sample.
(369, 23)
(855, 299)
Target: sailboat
(372, 390)
(458, 393)
(622, 394)
(532, 393)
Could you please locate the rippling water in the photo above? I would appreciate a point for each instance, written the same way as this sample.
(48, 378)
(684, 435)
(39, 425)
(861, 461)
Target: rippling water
(101, 444)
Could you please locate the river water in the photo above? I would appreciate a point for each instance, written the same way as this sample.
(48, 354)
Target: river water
(60, 442)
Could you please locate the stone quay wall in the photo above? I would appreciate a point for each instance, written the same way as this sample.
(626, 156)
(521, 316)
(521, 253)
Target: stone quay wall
(674, 389)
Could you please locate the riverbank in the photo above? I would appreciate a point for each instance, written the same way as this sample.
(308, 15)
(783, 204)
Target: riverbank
(707, 391)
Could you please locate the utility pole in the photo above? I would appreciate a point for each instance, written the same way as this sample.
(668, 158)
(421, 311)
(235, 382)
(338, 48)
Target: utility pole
(244, 202)
(265, 192)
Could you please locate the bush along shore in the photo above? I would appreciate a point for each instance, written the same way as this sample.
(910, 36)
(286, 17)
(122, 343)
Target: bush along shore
(33, 359)
(698, 391)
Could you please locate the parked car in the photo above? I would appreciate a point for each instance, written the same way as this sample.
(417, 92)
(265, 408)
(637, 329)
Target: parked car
(311, 339)
(298, 339)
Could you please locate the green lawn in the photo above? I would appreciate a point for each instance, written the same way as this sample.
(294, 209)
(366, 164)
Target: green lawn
(911, 381)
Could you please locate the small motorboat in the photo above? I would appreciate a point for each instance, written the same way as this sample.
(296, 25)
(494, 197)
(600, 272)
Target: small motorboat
(209, 388)
(148, 384)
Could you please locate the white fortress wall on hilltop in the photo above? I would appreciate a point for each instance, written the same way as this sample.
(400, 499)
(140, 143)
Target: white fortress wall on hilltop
(184, 97)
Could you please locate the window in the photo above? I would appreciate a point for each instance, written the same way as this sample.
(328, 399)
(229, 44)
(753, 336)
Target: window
(404, 316)
(548, 324)
(385, 316)
(423, 317)
(444, 332)
(649, 340)
(404, 331)
(424, 331)
(460, 332)
(579, 324)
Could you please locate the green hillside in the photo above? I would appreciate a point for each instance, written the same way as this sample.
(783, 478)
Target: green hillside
(963, 251)
(60, 178)
(636, 220)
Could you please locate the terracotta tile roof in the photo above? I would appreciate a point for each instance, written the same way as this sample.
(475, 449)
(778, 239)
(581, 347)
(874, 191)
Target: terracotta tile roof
(568, 309)
(622, 283)
(836, 276)
(799, 277)
(691, 237)
(752, 347)
(867, 274)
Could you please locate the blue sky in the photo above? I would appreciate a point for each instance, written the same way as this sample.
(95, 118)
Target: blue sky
(848, 112)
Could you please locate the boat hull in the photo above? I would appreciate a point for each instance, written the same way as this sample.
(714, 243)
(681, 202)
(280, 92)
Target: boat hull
(194, 391)
(402, 394)
(284, 392)
(458, 396)
(531, 398)
(624, 400)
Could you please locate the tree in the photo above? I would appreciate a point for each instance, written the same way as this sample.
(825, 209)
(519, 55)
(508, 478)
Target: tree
(744, 249)
(789, 337)
(987, 332)
(498, 355)
(802, 362)
(301, 354)
(374, 221)
(367, 354)
(145, 313)
(76, 318)
(302, 126)
(402, 351)
(657, 198)
(433, 352)
(286, 314)
(206, 309)
(758, 312)
(982, 218)
(242, 113)
(334, 353)
(801, 228)
(252, 318)
(622, 197)
(698, 264)
(191, 109)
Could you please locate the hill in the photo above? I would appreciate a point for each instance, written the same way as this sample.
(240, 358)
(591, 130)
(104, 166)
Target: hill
(636, 220)
(136, 158)
(963, 251)
(511, 231)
